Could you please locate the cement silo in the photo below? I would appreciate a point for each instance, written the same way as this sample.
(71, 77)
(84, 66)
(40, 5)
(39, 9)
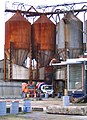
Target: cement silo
(43, 39)
(70, 37)
(17, 32)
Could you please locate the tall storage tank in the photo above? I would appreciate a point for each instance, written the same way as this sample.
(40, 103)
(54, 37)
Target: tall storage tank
(17, 31)
(43, 39)
(70, 37)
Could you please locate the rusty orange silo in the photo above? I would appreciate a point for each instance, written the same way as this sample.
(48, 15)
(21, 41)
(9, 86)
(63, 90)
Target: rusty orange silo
(17, 31)
(43, 39)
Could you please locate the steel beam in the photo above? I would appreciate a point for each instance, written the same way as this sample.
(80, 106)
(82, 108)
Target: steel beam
(30, 14)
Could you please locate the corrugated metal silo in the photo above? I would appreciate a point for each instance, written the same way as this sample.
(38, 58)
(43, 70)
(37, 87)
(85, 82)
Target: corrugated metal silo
(43, 37)
(17, 31)
(70, 37)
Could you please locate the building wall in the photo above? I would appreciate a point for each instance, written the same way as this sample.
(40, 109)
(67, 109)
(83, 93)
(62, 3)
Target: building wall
(18, 72)
(10, 89)
(2, 70)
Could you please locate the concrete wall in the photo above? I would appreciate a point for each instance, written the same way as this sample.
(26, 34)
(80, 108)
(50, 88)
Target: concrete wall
(10, 89)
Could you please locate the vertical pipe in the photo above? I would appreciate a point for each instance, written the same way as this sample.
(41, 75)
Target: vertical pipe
(84, 33)
(11, 52)
(31, 73)
(37, 61)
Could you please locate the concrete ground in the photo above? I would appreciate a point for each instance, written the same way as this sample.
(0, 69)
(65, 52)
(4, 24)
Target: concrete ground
(39, 110)
(46, 102)
(37, 115)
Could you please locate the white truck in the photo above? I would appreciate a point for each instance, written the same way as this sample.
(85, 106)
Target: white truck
(45, 88)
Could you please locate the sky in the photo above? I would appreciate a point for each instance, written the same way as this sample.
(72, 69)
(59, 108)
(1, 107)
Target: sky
(4, 16)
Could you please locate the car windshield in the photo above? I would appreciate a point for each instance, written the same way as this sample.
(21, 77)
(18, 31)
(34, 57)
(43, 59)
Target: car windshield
(48, 87)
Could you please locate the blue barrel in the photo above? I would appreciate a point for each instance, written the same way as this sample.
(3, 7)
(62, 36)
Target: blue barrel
(27, 106)
(66, 100)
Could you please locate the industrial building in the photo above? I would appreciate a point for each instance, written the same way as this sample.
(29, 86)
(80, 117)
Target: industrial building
(48, 43)
(76, 74)
(2, 70)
